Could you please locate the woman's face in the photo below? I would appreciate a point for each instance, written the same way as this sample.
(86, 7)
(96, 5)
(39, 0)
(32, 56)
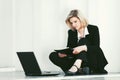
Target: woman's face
(75, 23)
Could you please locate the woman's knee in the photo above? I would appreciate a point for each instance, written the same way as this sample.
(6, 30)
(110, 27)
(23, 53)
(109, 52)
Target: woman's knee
(52, 56)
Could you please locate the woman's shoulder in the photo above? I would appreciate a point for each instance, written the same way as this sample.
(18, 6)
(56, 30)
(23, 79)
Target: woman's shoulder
(92, 27)
(72, 31)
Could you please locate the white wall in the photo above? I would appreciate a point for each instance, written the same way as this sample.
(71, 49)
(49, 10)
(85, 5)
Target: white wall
(24, 24)
(38, 25)
(6, 30)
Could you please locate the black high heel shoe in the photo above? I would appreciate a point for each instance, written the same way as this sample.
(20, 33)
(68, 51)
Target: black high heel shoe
(80, 71)
(68, 73)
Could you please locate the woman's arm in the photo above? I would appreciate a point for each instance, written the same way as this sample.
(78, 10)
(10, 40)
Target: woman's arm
(94, 38)
(72, 39)
(79, 49)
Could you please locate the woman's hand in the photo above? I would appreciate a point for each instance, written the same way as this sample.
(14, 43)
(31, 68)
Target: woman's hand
(62, 55)
(79, 49)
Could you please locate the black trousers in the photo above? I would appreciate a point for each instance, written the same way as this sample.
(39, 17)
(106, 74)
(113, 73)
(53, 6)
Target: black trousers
(67, 62)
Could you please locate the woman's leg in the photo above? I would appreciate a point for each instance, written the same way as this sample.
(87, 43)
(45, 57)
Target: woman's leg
(76, 65)
(64, 63)
(81, 61)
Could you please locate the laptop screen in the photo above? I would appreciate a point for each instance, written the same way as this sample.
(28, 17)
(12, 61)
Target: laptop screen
(29, 62)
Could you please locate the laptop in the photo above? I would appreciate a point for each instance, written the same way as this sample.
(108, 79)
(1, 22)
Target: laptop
(30, 65)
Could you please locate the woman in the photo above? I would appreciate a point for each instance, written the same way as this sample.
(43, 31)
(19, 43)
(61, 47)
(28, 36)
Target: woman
(85, 41)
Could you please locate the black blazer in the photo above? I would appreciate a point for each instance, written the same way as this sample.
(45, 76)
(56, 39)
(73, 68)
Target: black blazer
(95, 56)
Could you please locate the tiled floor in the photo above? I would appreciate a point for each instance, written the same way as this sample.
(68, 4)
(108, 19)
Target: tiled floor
(20, 76)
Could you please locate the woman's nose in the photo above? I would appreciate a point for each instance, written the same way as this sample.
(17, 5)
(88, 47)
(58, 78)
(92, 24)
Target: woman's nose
(73, 25)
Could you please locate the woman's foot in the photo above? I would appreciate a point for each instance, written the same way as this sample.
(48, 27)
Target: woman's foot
(73, 70)
(78, 71)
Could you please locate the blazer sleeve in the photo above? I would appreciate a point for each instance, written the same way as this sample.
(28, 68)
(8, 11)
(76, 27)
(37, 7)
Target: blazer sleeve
(94, 52)
(72, 39)
(94, 38)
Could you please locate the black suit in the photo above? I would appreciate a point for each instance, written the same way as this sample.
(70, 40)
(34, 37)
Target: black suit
(95, 57)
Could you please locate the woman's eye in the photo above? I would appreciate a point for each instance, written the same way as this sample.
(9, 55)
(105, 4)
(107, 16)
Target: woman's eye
(71, 23)
(75, 21)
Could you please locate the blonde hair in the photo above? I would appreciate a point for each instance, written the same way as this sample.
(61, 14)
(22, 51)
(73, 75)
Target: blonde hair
(78, 14)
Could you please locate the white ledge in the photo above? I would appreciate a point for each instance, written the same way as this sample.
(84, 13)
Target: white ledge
(7, 69)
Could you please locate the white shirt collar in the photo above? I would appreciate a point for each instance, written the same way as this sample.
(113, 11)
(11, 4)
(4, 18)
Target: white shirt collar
(86, 33)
